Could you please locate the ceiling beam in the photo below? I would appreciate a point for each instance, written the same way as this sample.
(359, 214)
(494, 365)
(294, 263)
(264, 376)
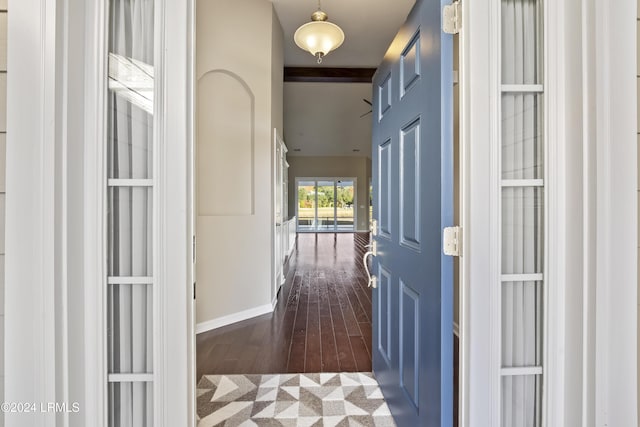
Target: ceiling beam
(328, 75)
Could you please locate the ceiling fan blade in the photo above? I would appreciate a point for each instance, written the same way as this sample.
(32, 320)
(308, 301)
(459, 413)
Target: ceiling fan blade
(368, 102)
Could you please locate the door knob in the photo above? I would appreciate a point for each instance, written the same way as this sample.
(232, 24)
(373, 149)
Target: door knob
(374, 248)
(372, 279)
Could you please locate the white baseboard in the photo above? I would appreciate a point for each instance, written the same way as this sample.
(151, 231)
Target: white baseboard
(233, 318)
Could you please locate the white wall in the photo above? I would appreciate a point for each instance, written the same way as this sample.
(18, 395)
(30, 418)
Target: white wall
(359, 167)
(239, 100)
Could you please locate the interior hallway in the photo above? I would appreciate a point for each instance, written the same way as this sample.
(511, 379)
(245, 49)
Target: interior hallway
(322, 322)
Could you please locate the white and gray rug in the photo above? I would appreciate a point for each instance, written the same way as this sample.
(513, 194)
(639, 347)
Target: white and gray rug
(292, 400)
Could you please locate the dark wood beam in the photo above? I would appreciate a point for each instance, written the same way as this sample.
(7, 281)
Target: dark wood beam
(328, 75)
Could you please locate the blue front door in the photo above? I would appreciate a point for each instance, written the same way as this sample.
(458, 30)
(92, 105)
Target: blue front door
(413, 202)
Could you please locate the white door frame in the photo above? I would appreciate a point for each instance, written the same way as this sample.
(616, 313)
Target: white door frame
(50, 331)
(591, 167)
(55, 236)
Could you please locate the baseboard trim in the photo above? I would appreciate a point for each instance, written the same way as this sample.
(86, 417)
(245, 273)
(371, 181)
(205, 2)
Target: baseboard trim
(233, 318)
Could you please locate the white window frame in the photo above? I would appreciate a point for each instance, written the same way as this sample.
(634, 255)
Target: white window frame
(55, 341)
(481, 194)
(170, 222)
(587, 74)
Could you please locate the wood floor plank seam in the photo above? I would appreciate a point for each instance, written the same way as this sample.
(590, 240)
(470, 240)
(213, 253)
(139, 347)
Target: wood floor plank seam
(333, 332)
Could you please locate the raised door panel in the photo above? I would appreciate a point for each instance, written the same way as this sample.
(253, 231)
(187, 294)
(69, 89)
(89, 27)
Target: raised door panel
(385, 188)
(410, 207)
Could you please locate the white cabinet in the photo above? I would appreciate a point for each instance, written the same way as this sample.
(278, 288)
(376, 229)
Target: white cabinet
(282, 239)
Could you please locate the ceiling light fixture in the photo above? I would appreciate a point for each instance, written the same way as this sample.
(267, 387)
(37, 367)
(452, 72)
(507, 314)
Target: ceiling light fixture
(319, 37)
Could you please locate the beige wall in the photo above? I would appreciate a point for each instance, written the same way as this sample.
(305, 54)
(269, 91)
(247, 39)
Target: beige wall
(277, 74)
(3, 146)
(239, 101)
(320, 167)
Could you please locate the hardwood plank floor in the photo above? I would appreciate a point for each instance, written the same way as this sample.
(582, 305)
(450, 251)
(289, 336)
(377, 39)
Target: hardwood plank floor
(322, 322)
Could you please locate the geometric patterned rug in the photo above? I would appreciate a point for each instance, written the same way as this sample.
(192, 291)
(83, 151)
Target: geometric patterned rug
(292, 400)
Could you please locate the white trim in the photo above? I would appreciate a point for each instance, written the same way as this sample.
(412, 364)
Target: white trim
(589, 205)
(479, 374)
(174, 350)
(32, 223)
(521, 370)
(191, 212)
(161, 197)
(118, 182)
(522, 183)
(129, 378)
(123, 280)
(600, 309)
(495, 204)
(554, 304)
(533, 277)
(233, 318)
(95, 272)
(615, 192)
(521, 88)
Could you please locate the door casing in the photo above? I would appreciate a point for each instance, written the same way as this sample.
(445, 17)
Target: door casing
(53, 26)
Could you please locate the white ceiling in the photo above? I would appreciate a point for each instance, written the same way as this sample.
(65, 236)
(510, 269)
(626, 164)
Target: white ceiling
(323, 119)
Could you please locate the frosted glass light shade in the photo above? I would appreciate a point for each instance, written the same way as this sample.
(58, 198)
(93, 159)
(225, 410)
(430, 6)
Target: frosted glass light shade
(319, 37)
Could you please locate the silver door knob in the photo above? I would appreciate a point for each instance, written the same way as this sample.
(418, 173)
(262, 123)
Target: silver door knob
(373, 280)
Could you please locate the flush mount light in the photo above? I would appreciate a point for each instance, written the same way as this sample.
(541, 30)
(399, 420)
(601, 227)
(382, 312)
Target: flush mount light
(319, 37)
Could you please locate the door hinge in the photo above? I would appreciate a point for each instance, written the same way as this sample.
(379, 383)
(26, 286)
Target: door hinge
(194, 290)
(452, 241)
(452, 18)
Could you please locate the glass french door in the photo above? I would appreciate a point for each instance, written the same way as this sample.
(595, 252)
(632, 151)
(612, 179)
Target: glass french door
(130, 201)
(522, 213)
(325, 204)
(306, 202)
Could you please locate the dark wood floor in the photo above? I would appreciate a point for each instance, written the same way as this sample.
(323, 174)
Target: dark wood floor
(322, 322)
